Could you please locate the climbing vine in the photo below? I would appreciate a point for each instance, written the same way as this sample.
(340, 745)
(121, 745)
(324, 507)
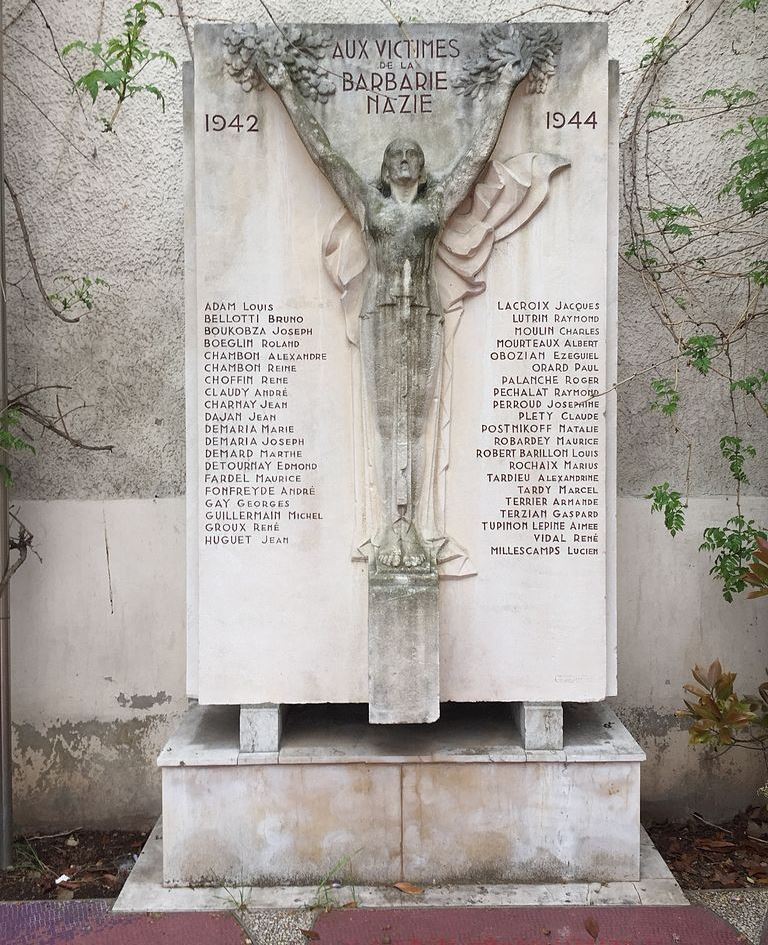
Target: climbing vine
(703, 264)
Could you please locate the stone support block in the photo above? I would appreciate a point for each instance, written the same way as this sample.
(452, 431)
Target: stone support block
(261, 727)
(540, 725)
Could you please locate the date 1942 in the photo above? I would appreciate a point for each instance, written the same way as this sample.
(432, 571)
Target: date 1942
(560, 120)
(217, 122)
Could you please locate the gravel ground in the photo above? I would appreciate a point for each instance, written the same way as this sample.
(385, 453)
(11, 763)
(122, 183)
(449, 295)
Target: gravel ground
(745, 909)
(273, 927)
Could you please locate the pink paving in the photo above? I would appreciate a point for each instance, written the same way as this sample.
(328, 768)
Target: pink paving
(90, 922)
(558, 925)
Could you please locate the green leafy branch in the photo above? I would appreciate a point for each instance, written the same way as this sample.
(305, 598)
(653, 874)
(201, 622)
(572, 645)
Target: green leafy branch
(749, 181)
(734, 545)
(121, 60)
(666, 110)
(667, 398)
(10, 441)
(698, 349)
(669, 219)
(752, 383)
(732, 96)
(735, 453)
(758, 272)
(668, 502)
(659, 49)
(76, 291)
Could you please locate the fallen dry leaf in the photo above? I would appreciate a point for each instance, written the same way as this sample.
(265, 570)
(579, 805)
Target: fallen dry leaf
(409, 888)
(590, 924)
(350, 905)
(310, 933)
(715, 844)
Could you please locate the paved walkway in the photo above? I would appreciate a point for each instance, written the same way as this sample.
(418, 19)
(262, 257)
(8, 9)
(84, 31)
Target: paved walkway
(90, 922)
(555, 925)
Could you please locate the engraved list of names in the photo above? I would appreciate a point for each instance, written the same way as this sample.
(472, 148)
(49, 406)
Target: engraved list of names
(259, 479)
(540, 452)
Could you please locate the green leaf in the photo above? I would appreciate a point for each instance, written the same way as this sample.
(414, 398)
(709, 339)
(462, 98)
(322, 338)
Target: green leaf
(90, 82)
(77, 44)
(156, 92)
(165, 56)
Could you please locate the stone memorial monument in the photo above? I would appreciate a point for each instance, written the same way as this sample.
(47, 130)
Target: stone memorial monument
(401, 309)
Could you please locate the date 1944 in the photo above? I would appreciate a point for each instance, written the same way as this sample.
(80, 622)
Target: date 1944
(238, 123)
(560, 120)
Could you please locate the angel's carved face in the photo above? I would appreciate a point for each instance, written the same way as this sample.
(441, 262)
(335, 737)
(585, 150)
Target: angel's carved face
(403, 162)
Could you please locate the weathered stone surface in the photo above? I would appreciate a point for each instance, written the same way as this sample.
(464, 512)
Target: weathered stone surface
(403, 648)
(449, 803)
(540, 725)
(471, 461)
(261, 727)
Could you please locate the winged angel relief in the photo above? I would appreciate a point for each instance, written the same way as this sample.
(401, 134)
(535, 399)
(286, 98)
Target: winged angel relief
(405, 253)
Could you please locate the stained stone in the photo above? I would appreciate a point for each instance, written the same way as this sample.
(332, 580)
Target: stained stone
(403, 648)
(540, 725)
(261, 727)
(391, 378)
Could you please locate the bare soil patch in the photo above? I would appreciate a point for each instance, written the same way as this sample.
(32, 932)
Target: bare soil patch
(95, 863)
(708, 856)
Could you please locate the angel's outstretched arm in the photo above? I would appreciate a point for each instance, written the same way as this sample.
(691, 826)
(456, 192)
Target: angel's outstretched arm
(343, 177)
(460, 178)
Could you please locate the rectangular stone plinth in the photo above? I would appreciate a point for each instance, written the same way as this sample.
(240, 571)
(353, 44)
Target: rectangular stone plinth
(457, 801)
(261, 727)
(540, 724)
(403, 648)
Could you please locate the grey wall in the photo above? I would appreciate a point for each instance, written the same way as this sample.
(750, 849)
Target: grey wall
(98, 626)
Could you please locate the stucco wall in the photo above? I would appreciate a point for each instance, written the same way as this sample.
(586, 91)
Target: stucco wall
(98, 626)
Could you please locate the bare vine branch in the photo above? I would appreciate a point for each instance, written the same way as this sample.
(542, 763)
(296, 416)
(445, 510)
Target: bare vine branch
(20, 543)
(31, 256)
(53, 422)
(185, 26)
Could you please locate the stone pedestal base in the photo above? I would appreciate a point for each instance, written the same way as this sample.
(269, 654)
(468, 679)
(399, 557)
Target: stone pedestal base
(457, 801)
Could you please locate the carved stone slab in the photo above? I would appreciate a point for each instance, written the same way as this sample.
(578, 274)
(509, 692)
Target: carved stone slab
(515, 448)
(403, 649)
